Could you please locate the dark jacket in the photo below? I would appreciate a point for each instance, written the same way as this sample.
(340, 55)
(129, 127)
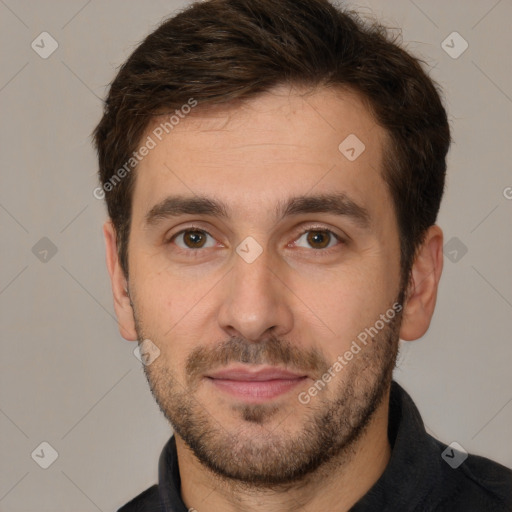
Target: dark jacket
(422, 475)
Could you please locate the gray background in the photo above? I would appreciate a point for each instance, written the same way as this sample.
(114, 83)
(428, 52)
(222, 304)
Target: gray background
(68, 378)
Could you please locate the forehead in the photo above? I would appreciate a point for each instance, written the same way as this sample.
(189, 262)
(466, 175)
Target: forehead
(253, 154)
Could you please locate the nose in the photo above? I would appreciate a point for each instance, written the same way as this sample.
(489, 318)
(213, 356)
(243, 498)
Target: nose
(255, 300)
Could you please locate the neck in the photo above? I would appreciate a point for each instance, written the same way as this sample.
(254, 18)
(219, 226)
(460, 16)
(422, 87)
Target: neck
(337, 485)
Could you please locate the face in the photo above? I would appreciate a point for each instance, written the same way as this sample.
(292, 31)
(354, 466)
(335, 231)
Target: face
(264, 265)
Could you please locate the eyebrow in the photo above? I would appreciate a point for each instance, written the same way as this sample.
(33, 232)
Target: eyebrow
(337, 204)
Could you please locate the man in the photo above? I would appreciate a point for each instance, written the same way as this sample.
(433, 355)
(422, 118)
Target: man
(273, 170)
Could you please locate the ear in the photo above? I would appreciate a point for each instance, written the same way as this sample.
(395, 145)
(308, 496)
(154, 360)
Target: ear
(422, 289)
(122, 302)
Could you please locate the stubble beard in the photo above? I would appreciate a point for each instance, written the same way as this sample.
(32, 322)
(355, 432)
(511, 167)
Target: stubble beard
(261, 454)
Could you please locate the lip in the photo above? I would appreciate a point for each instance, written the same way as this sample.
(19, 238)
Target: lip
(255, 385)
(254, 374)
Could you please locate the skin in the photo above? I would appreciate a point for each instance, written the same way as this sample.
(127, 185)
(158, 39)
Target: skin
(290, 307)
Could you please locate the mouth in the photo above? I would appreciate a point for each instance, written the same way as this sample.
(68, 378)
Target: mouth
(256, 384)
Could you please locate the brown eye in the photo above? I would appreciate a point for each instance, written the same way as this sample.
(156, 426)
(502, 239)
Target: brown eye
(318, 238)
(192, 239)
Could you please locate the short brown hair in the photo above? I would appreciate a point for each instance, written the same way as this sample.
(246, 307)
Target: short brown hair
(218, 51)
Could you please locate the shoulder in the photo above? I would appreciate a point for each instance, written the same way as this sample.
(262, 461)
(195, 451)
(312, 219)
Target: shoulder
(478, 484)
(147, 501)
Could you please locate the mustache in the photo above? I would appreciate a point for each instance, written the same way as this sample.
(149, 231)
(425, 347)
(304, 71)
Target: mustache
(272, 351)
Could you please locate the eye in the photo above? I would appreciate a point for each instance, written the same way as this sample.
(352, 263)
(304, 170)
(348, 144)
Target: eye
(318, 238)
(192, 238)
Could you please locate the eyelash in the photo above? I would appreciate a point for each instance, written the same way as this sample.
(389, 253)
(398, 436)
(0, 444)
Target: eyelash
(196, 252)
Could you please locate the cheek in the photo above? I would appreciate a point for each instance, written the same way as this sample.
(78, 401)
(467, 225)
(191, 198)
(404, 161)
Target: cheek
(164, 293)
(335, 308)
(171, 309)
